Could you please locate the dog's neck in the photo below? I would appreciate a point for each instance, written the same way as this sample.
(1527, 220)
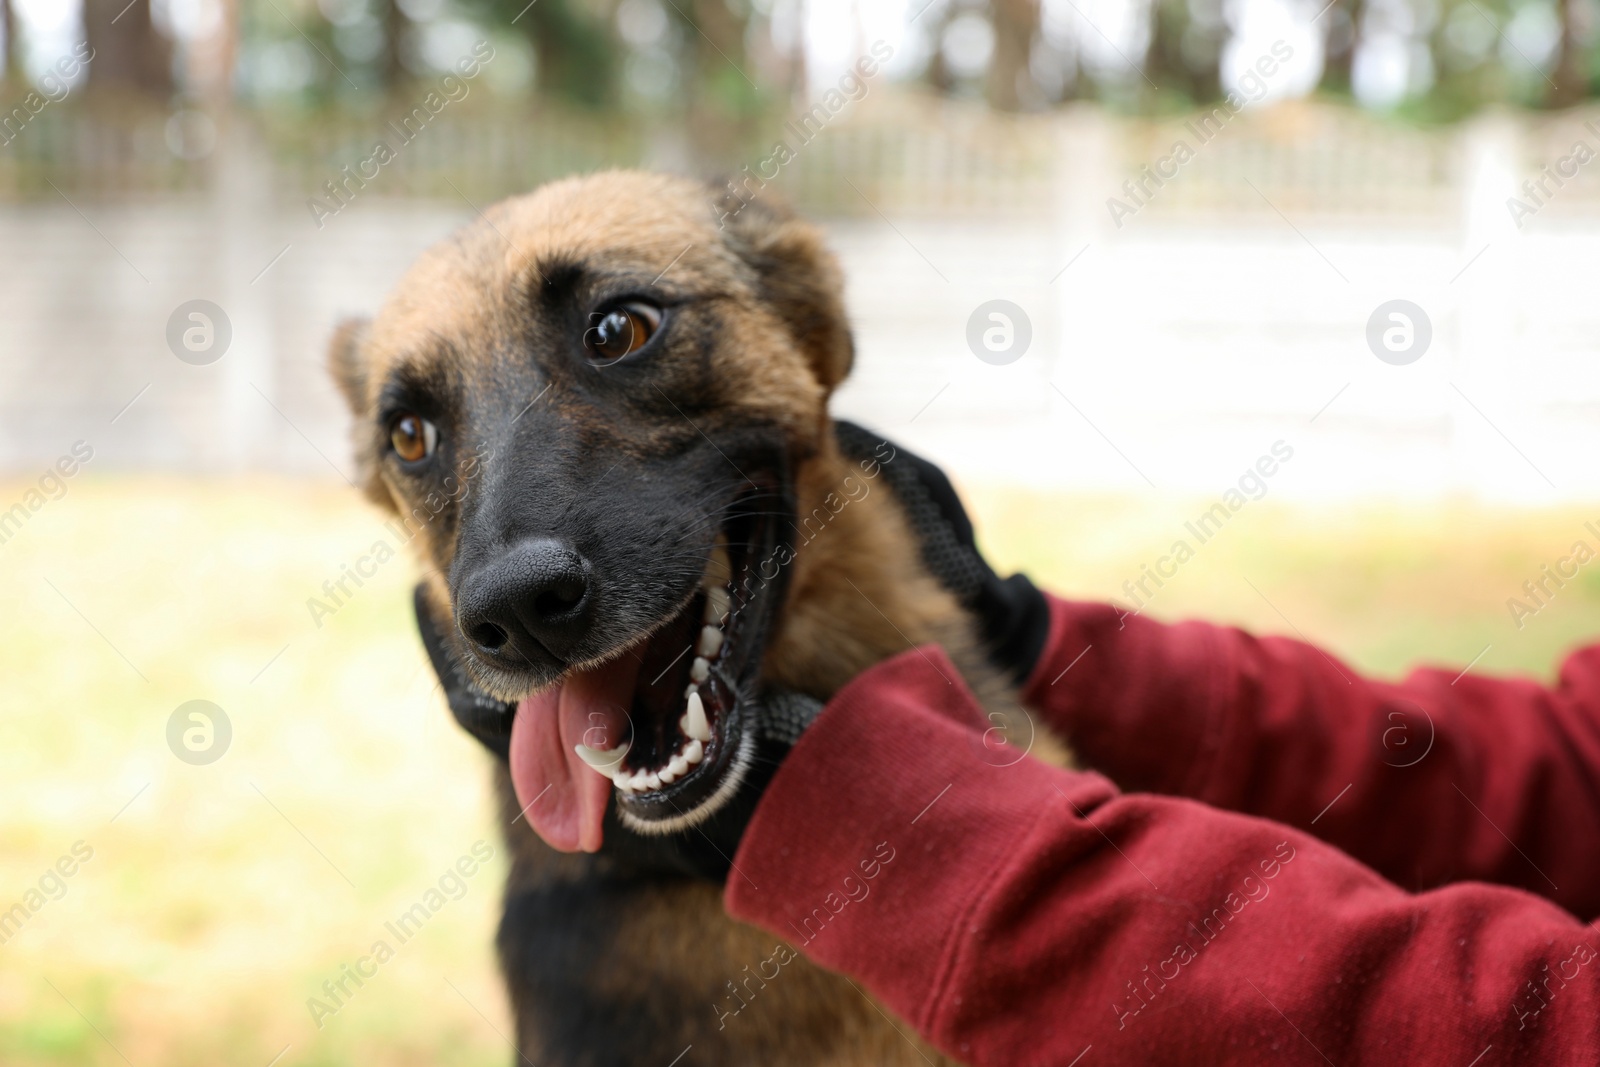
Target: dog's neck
(858, 592)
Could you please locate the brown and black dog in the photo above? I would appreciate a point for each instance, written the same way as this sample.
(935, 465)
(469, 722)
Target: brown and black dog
(612, 411)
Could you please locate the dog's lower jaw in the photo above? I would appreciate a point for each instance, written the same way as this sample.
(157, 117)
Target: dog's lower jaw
(733, 779)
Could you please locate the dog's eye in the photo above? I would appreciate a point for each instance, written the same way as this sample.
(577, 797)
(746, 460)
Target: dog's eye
(623, 329)
(413, 437)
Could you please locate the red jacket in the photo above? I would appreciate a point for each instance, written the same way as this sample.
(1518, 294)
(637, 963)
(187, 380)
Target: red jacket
(1324, 897)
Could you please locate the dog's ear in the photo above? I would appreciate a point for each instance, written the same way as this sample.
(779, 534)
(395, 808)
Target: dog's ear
(347, 363)
(799, 278)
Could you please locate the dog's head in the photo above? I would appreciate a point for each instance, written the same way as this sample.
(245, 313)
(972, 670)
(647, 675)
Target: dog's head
(588, 407)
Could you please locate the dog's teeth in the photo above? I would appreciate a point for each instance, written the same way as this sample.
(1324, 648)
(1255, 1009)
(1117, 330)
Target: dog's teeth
(694, 752)
(699, 670)
(677, 768)
(668, 775)
(717, 603)
(639, 783)
(694, 722)
(624, 783)
(710, 642)
(607, 761)
(652, 780)
(717, 570)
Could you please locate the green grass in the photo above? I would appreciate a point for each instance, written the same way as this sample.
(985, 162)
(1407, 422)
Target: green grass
(224, 895)
(1385, 587)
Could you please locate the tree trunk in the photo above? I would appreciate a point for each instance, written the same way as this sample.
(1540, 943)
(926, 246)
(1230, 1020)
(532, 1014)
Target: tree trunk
(1166, 63)
(11, 54)
(1341, 38)
(1571, 77)
(394, 27)
(938, 74)
(129, 53)
(719, 97)
(576, 51)
(1016, 24)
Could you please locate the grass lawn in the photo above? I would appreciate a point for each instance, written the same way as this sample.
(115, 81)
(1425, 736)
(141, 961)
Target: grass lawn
(220, 897)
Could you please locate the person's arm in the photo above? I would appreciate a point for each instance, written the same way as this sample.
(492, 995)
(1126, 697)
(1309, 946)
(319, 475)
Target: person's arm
(1028, 915)
(1445, 776)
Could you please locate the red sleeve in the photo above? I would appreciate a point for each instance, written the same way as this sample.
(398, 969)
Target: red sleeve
(1023, 914)
(1446, 776)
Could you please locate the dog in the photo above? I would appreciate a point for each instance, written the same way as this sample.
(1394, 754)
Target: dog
(609, 410)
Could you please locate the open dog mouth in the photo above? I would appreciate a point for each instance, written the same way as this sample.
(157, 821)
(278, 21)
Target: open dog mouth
(669, 725)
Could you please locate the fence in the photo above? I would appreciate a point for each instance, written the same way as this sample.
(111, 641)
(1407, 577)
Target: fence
(1228, 305)
(904, 154)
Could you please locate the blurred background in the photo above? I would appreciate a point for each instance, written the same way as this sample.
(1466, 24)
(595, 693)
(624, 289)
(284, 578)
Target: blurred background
(1103, 256)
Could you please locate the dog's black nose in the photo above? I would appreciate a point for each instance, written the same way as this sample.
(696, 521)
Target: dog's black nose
(527, 605)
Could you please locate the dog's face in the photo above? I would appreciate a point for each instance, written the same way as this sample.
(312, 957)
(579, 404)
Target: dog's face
(588, 406)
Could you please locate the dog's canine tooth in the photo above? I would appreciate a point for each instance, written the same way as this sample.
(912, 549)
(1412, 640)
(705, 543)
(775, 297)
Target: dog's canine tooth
(607, 761)
(699, 670)
(717, 604)
(710, 642)
(695, 724)
(718, 569)
(694, 752)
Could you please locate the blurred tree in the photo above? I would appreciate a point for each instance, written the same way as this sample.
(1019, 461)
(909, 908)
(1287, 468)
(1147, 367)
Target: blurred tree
(209, 62)
(576, 48)
(1572, 80)
(1467, 69)
(938, 73)
(129, 52)
(1009, 81)
(10, 53)
(1185, 53)
(792, 64)
(721, 98)
(395, 24)
(1341, 36)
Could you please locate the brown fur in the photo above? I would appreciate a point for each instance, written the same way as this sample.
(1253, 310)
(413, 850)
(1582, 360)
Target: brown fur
(769, 297)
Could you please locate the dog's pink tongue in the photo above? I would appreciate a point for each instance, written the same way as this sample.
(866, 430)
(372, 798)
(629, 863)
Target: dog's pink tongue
(564, 798)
